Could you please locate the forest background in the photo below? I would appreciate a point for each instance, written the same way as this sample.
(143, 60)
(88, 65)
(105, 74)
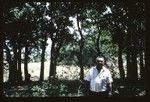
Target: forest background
(48, 47)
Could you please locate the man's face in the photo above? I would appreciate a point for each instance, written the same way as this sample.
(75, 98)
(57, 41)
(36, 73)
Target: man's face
(99, 62)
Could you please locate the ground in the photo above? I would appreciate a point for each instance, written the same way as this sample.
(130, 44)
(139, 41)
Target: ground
(66, 83)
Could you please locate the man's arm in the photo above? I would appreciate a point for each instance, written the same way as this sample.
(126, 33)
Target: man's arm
(109, 85)
(86, 83)
(109, 88)
(87, 86)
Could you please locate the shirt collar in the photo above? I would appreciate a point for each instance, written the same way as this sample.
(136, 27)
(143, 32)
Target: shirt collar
(102, 70)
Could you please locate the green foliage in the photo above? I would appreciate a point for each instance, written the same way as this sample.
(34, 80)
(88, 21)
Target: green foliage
(108, 48)
(63, 90)
(68, 54)
(69, 88)
(38, 91)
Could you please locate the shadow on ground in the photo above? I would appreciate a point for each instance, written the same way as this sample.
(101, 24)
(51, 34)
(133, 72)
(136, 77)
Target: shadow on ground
(68, 88)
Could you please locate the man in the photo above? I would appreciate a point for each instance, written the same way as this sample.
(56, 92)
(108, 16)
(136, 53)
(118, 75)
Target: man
(99, 80)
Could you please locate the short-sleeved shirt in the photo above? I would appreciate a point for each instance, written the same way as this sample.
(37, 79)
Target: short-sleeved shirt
(99, 81)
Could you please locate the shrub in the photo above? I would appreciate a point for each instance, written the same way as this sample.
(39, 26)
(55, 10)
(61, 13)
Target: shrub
(38, 91)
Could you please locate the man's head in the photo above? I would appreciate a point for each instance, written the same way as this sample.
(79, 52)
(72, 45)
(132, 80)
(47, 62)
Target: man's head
(100, 61)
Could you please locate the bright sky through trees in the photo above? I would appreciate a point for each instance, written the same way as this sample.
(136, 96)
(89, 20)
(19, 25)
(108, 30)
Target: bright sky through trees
(71, 29)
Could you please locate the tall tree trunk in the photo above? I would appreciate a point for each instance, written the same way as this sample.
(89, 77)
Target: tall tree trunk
(51, 71)
(43, 51)
(54, 56)
(26, 61)
(19, 63)
(120, 62)
(52, 67)
(8, 58)
(81, 61)
(129, 45)
(133, 43)
(15, 62)
(142, 70)
(128, 58)
(134, 64)
(42, 60)
(98, 44)
(81, 44)
(142, 56)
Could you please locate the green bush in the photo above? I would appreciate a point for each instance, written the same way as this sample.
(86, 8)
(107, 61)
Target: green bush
(38, 91)
(54, 87)
(63, 91)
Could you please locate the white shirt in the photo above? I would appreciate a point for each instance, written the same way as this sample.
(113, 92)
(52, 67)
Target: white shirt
(98, 81)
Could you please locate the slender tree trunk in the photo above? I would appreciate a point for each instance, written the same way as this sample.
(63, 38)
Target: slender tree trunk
(54, 56)
(133, 41)
(8, 58)
(98, 44)
(98, 41)
(42, 60)
(52, 67)
(15, 62)
(43, 52)
(134, 64)
(142, 55)
(129, 57)
(129, 46)
(128, 66)
(19, 63)
(133, 53)
(120, 62)
(51, 71)
(142, 72)
(81, 44)
(81, 61)
(26, 62)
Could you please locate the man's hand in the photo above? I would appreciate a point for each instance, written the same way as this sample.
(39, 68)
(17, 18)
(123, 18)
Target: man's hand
(86, 86)
(81, 81)
(109, 89)
(109, 94)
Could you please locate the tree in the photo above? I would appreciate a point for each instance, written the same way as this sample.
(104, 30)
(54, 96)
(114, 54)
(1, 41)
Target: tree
(81, 42)
(40, 12)
(117, 26)
(58, 32)
(122, 16)
(19, 16)
(136, 11)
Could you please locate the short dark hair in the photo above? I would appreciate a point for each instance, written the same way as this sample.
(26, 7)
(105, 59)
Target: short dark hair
(100, 58)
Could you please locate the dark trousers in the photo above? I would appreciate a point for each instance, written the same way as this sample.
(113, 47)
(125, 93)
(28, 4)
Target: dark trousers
(99, 94)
